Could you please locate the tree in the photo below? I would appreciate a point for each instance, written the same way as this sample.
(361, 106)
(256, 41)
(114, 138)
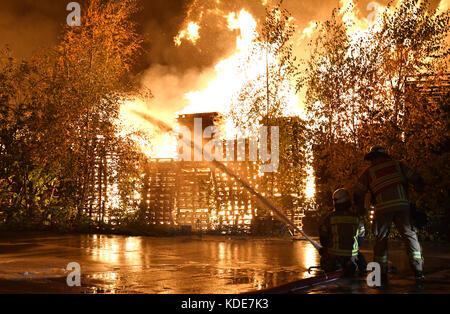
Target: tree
(267, 101)
(385, 85)
(61, 149)
(93, 67)
(268, 95)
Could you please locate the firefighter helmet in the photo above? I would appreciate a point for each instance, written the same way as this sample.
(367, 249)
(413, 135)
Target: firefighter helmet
(341, 196)
(376, 151)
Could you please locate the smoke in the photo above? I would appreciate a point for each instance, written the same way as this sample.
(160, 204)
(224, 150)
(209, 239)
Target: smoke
(188, 65)
(28, 26)
(168, 70)
(180, 64)
(169, 85)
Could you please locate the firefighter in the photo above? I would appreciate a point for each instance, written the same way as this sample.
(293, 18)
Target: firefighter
(387, 182)
(339, 232)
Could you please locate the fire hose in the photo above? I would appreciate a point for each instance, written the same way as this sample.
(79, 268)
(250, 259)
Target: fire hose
(278, 213)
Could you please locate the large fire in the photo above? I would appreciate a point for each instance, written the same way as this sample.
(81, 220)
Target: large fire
(190, 33)
(232, 73)
(151, 141)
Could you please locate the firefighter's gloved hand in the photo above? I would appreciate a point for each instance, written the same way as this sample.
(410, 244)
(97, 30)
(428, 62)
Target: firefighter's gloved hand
(322, 251)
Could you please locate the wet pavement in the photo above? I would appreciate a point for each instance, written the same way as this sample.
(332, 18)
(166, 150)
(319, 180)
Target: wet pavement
(437, 273)
(36, 263)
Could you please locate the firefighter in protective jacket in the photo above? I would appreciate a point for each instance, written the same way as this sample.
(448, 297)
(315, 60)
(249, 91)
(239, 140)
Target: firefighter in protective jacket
(387, 182)
(339, 232)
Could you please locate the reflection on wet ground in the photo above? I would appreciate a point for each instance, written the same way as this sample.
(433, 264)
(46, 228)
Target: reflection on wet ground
(36, 263)
(437, 273)
(125, 264)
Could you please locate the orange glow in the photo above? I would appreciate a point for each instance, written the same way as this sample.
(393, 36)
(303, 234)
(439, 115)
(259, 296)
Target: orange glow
(190, 33)
(233, 73)
(308, 31)
(310, 190)
(358, 27)
(153, 143)
(443, 6)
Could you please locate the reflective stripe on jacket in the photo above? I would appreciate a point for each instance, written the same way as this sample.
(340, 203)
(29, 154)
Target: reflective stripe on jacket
(387, 182)
(339, 234)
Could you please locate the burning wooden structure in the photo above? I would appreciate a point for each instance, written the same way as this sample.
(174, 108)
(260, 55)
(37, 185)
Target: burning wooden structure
(196, 196)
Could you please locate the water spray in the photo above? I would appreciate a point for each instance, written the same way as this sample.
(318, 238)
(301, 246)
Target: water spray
(279, 214)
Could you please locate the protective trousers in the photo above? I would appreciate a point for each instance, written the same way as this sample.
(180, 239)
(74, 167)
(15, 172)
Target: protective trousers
(402, 221)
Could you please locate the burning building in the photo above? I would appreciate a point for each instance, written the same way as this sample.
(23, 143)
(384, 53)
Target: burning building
(195, 195)
(186, 190)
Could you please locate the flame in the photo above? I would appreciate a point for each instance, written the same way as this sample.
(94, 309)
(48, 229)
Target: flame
(153, 142)
(358, 27)
(190, 33)
(443, 6)
(308, 31)
(233, 73)
(220, 91)
(350, 14)
(310, 189)
(165, 146)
